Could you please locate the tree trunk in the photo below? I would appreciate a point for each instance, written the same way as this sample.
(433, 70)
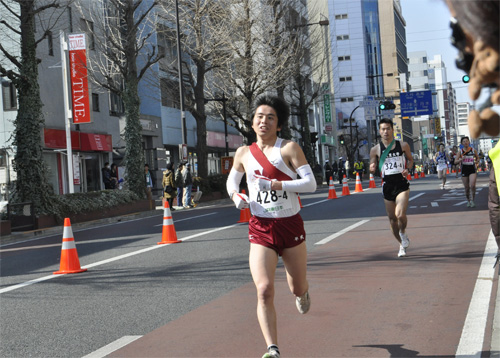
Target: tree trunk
(31, 184)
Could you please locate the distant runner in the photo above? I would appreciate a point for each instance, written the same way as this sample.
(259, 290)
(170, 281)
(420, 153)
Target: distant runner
(468, 158)
(441, 159)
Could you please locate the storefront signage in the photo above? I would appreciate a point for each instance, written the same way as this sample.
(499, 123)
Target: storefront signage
(79, 78)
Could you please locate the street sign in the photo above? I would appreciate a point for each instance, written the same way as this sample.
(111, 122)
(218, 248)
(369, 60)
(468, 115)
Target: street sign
(416, 103)
(326, 105)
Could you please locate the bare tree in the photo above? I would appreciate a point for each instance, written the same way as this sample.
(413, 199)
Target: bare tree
(203, 30)
(304, 89)
(122, 31)
(19, 19)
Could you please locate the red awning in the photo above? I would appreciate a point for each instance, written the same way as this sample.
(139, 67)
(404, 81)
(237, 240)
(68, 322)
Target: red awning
(56, 139)
(96, 142)
(88, 142)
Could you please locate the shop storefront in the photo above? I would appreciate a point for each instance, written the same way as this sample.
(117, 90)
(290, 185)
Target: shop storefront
(90, 152)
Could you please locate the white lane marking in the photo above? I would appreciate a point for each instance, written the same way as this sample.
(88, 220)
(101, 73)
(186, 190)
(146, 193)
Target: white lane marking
(434, 204)
(460, 203)
(471, 341)
(416, 196)
(113, 346)
(190, 218)
(27, 283)
(341, 232)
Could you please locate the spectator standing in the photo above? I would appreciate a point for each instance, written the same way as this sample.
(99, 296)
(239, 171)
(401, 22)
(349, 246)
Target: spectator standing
(341, 170)
(476, 36)
(179, 183)
(359, 168)
(328, 171)
(187, 180)
(335, 169)
(150, 182)
(168, 184)
(114, 176)
(106, 176)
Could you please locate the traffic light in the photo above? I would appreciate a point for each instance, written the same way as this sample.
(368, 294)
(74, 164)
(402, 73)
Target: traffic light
(386, 105)
(341, 139)
(314, 137)
(436, 137)
(465, 78)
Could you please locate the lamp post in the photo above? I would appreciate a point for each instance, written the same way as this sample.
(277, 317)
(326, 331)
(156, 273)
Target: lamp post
(223, 100)
(179, 69)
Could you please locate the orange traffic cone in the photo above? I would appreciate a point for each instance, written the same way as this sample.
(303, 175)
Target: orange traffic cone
(372, 182)
(416, 175)
(331, 190)
(345, 187)
(69, 256)
(245, 214)
(168, 234)
(447, 170)
(422, 175)
(408, 176)
(358, 188)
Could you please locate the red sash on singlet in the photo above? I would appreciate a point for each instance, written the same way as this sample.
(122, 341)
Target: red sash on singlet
(268, 170)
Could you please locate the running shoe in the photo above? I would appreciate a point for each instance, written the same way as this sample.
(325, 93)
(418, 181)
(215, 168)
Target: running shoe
(472, 205)
(402, 251)
(468, 204)
(272, 353)
(405, 241)
(303, 303)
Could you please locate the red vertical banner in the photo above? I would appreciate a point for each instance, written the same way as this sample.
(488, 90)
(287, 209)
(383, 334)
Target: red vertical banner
(79, 78)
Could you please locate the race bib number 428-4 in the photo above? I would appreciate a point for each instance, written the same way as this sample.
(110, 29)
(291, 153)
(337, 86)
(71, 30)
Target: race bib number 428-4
(274, 200)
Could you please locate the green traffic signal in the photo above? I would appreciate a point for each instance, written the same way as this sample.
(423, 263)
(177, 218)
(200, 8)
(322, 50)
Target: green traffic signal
(466, 79)
(386, 105)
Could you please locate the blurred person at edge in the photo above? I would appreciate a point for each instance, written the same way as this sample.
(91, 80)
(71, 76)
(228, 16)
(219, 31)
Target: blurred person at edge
(475, 33)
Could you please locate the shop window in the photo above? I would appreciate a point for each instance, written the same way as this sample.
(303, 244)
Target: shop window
(9, 96)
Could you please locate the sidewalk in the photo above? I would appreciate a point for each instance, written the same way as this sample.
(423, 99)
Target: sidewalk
(26, 235)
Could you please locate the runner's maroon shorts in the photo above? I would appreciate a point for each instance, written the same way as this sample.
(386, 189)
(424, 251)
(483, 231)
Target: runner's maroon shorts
(277, 233)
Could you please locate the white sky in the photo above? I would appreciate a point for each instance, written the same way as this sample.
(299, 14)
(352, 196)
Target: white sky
(428, 29)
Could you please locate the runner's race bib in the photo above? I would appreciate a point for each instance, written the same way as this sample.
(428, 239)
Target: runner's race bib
(393, 165)
(468, 160)
(273, 200)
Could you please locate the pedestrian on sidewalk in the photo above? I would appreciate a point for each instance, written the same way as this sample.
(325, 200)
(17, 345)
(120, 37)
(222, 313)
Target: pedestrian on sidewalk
(150, 182)
(168, 184)
(272, 166)
(187, 180)
(179, 183)
(394, 160)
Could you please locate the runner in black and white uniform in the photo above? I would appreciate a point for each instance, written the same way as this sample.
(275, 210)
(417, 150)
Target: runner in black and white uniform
(442, 164)
(396, 188)
(468, 157)
(272, 166)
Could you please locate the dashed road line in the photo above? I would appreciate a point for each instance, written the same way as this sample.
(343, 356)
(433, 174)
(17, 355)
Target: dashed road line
(113, 346)
(341, 232)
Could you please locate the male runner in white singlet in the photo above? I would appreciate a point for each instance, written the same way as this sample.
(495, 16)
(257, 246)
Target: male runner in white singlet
(394, 164)
(276, 227)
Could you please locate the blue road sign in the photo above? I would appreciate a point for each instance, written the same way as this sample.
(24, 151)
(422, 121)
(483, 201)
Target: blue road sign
(416, 103)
